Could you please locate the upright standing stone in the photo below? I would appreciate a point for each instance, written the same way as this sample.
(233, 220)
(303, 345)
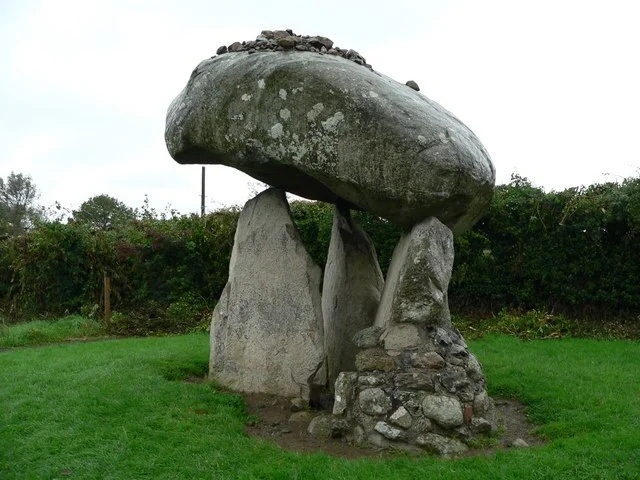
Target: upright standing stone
(351, 292)
(267, 332)
(418, 278)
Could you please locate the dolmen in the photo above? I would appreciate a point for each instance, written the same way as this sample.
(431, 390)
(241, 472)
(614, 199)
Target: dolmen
(309, 118)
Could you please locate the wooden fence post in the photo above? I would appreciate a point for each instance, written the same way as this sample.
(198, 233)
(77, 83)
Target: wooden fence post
(107, 300)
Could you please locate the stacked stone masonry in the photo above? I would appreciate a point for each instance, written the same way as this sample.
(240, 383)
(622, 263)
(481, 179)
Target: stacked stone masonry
(430, 392)
(285, 40)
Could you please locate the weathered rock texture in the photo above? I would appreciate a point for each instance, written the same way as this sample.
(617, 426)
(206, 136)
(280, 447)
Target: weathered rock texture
(431, 394)
(350, 293)
(267, 332)
(416, 381)
(326, 128)
(418, 278)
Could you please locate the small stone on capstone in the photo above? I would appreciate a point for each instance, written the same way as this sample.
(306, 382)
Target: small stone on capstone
(221, 50)
(286, 42)
(412, 84)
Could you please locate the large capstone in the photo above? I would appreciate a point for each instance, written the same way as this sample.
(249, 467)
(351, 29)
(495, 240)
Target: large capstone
(267, 331)
(418, 278)
(350, 294)
(326, 128)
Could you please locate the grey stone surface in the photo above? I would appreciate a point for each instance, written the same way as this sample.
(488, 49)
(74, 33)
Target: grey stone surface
(377, 440)
(374, 359)
(267, 329)
(368, 337)
(474, 369)
(441, 445)
(412, 84)
(327, 426)
(389, 432)
(321, 426)
(401, 337)
(519, 443)
(415, 290)
(427, 360)
(483, 406)
(401, 417)
(303, 416)
(350, 292)
(444, 410)
(420, 424)
(419, 380)
(480, 425)
(454, 379)
(373, 401)
(325, 128)
(372, 379)
(458, 355)
(482, 403)
(344, 391)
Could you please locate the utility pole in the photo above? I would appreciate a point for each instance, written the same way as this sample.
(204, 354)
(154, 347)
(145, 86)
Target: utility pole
(107, 300)
(202, 196)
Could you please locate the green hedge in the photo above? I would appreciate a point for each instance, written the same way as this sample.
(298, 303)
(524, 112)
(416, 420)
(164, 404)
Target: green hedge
(575, 252)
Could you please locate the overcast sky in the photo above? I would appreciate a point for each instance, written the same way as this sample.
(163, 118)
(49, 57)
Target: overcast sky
(551, 88)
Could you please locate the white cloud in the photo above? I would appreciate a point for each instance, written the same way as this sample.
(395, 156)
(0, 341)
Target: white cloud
(549, 87)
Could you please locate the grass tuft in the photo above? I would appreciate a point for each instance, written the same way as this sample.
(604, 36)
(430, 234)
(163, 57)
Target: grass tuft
(39, 332)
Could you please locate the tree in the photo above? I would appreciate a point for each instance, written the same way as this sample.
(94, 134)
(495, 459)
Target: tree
(103, 212)
(17, 210)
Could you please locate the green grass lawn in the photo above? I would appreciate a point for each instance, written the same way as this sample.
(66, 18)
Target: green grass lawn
(118, 409)
(39, 332)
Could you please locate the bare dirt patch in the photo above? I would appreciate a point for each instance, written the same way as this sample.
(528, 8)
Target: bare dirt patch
(270, 420)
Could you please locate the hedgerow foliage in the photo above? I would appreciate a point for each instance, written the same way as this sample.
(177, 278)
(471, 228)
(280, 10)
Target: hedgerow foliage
(165, 273)
(576, 252)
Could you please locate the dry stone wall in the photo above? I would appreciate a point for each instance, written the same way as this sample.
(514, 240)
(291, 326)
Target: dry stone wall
(429, 393)
(415, 384)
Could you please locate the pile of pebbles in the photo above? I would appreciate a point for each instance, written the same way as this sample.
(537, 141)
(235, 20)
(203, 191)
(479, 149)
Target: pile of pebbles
(286, 40)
